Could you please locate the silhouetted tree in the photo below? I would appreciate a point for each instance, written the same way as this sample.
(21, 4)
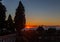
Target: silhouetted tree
(51, 34)
(2, 16)
(41, 32)
(51, 30)
(40, 28)
(20, 17)
(19, 20)
(10, 25)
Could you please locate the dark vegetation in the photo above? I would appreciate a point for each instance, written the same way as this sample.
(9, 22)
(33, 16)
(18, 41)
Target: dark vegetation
(10, 26)
(41, 35)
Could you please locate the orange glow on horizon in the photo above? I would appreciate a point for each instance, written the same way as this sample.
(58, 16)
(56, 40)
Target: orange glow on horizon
(27, 27)
(30, 26)
(41, 21)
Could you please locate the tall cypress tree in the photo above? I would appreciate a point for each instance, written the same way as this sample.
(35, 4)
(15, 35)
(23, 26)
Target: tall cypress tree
(19, 21)
(2, 16)
(20, 17)
(10, 25)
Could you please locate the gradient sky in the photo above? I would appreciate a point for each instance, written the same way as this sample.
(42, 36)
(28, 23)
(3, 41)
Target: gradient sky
(38, 12)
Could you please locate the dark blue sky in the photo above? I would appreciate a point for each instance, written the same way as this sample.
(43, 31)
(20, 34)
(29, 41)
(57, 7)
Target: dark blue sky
(38, 12)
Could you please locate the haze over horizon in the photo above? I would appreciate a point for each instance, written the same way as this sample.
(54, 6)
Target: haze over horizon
(38, 12)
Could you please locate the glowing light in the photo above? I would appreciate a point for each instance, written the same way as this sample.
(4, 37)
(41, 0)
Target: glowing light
(28, 27)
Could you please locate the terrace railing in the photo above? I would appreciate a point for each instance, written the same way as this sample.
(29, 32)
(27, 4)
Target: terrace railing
(8, 38)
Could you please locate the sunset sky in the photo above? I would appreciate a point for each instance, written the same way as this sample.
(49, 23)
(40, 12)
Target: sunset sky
(38, 12)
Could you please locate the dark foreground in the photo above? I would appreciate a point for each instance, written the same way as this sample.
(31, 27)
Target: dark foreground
(39, 35)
